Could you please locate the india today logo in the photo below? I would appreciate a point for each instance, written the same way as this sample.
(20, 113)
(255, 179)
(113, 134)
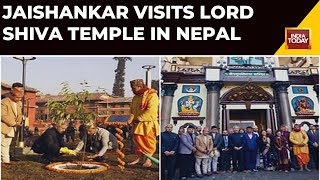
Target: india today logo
(297, 38)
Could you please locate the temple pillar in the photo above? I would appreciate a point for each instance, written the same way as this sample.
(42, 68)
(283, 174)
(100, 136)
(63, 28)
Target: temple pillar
(213, 107)
(166, 104)
(283, 104)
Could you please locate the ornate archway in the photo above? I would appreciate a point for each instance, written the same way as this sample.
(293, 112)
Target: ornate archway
(247, 93)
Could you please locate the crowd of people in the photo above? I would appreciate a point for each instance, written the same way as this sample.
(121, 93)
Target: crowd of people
(198, 152)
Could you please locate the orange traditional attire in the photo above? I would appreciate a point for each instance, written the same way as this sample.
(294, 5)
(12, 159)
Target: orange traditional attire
(301, 153)
(144, 107)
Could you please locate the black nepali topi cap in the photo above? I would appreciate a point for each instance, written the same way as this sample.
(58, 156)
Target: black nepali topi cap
(191, 126)
(249, 127)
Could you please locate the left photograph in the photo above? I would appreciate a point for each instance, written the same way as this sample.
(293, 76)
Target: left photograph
(80, 117)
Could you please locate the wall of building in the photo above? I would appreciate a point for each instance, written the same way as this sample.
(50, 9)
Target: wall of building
(31, 103)
(199, 61)
(114, 108)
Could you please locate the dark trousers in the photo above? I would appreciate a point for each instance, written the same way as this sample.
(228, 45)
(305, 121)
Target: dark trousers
(225, 159)
(168, 163)
(186, 164)
(237, 160)
(314, 157)
(250, 159)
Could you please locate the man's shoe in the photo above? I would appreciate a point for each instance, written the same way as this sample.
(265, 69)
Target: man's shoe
(199, 175)
(183, 178)
(255, 170)
(215, 172)
(192, 176)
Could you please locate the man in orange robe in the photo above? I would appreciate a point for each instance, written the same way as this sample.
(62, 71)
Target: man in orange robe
(144, 107)
(299, 139)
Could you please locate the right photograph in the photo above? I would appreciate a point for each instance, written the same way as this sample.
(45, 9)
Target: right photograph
(236, 117)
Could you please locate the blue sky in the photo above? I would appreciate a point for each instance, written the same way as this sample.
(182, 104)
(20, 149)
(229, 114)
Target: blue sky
(46, 73)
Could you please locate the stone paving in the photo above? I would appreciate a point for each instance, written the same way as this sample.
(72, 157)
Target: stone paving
(264, 175)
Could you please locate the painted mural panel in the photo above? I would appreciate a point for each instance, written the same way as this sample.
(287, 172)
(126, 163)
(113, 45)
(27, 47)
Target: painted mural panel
(189, 106)
(250, 61)
(190, 89)
(300, 90)
(303, 106)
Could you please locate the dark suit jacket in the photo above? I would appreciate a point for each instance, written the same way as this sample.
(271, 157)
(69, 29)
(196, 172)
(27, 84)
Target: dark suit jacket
(49, 143)
(217, 140)
(223, 144)
(169, 141)
(237, 140)
(311, 139)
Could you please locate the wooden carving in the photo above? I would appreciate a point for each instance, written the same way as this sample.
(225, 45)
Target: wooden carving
(247, 92)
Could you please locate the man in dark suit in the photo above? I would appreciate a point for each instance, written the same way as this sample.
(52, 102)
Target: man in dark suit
(225, 152)
(237, 143)
(186, 159)
(169, 149)
(217, 142)
(51, 144)
(313, 143)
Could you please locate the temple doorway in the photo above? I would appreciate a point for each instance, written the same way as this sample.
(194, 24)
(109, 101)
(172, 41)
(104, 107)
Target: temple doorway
(251, 117)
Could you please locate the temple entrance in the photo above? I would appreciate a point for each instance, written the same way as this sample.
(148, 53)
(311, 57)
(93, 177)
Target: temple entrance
(251, 117)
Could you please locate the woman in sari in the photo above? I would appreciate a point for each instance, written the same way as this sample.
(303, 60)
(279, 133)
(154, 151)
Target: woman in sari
(281, 145)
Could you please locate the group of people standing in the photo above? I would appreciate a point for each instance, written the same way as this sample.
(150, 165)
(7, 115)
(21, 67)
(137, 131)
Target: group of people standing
(198, 152)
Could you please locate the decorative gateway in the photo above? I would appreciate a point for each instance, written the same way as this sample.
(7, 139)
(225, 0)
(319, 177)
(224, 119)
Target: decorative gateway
(189, 106)
(303, 106)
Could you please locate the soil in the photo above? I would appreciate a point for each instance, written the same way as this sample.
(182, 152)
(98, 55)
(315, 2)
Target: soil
(29, 168)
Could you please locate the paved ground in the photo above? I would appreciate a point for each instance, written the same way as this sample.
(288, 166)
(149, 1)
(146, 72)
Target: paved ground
(264, 175)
